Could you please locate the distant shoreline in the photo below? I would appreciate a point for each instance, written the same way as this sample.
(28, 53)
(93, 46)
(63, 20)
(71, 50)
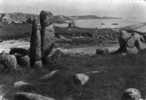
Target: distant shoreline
(83, 17)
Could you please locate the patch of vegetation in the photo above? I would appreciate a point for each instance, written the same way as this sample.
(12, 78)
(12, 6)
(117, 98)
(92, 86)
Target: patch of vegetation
(14, 31)
(117, 73)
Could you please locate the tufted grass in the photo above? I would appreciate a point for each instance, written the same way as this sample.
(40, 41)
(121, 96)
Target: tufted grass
(117, 73)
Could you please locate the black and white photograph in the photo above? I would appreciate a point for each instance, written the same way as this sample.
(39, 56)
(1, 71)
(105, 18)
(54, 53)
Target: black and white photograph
(72, 49)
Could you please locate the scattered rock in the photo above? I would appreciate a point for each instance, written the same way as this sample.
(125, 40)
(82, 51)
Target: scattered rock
(30, 96)
(9, 61)
(23, 61)
(24, 86)
(3, 91)
(56, 54)
(102, 51)
(133, 50)
(20, 83)
(131, 94)
(81, 78)
(49, 75)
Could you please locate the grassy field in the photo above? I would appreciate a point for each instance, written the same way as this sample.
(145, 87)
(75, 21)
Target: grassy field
(14, 31)
(78, 36)
(117, 73)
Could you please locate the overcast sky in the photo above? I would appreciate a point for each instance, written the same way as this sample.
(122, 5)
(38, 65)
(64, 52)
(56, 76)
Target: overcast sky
(126, 8)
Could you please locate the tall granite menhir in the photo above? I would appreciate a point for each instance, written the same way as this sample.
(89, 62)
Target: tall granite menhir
(47, 34)
(42, 39)
(35, 46)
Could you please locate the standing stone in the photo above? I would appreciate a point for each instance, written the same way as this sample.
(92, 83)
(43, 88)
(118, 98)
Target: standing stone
(124, 36)
(130, 47)
(130, 42)
(25, 96)
(131, 94)
(83, 78)
(23, 61)
(124, 40)
(47, 32)
(140, 43)
(35, 46)
(45, 18)
(9, 61)
(135, 44)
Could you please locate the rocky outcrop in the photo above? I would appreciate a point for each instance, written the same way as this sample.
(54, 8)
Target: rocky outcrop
(9, 18)
(130, 42)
